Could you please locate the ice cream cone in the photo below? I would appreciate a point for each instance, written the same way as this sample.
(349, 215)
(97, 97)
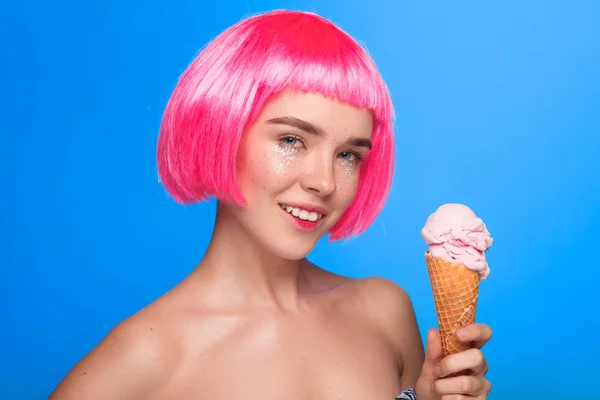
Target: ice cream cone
(455, 291)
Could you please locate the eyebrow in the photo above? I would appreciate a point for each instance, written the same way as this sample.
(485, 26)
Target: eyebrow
(315, 130)
(298, 123)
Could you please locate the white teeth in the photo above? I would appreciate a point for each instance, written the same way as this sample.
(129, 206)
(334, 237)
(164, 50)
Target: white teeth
(313, 216)
(302, 214)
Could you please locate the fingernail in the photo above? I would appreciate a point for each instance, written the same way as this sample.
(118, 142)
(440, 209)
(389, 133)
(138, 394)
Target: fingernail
(462, 334)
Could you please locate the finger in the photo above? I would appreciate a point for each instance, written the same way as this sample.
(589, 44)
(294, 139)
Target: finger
(433, 354)
(471, 361)
(434, 351)
(464, 385)
(478, 334)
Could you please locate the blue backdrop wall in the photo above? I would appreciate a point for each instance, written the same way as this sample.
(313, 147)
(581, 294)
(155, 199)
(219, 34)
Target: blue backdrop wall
(497, 108)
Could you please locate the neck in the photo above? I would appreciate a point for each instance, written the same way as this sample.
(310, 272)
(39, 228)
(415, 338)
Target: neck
(244, 272)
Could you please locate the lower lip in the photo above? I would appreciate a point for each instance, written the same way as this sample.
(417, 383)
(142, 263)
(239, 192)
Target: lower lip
(304, 225)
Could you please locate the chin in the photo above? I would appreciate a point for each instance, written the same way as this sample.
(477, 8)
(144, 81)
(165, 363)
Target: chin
(293, 250)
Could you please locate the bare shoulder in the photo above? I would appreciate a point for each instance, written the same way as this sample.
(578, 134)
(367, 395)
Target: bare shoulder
(380, 298)
(126, 364)
(387, 304)
(375, 291)
(390, 309)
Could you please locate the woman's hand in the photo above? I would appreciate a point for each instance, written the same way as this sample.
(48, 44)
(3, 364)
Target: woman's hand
(457, 376)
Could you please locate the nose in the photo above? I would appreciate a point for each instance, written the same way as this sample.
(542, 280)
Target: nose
(319, 178)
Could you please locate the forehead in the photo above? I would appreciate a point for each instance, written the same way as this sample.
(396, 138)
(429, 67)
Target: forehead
(332, 116)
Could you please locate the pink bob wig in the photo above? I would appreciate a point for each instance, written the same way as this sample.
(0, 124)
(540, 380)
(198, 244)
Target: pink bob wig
(225, 88)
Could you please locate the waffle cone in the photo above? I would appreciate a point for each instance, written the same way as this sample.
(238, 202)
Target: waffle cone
(455, 292)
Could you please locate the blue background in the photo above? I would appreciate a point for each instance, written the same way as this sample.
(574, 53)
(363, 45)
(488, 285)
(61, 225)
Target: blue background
(498, 108)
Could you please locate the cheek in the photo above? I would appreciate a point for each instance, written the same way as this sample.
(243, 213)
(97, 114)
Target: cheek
(349, 176)
(351, 172)
(264, 171)
(348, 191)
(284, 160)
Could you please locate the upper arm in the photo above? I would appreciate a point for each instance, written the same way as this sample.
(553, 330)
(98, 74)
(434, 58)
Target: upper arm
(125, 365)
(393, 311)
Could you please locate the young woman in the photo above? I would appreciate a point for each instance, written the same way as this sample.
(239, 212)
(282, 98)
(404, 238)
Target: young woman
(284, 119)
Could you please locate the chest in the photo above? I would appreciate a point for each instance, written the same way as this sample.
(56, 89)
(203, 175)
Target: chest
(320, 359)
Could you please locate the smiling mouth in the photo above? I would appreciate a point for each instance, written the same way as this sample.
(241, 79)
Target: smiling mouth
(299, 213)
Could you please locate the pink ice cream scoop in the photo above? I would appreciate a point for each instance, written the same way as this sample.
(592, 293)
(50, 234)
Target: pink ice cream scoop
(454, 233)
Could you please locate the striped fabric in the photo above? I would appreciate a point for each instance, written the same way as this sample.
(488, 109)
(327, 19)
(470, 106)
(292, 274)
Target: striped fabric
(408, 394)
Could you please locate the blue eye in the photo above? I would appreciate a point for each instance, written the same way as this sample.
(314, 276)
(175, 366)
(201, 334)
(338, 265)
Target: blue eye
(351, 156)
(291, 141)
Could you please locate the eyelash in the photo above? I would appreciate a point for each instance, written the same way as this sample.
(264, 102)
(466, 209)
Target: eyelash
(298, 138)
(283, 139)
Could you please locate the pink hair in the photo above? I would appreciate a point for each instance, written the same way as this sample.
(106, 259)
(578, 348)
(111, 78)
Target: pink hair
(225, 88)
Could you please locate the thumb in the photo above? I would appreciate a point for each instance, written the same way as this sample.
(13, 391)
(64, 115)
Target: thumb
(433, 355)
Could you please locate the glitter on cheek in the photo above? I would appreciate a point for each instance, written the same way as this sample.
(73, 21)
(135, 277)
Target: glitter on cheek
(349, 170)
(285, 157)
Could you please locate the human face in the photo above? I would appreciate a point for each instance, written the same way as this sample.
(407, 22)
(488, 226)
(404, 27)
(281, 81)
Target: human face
(298, 167)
